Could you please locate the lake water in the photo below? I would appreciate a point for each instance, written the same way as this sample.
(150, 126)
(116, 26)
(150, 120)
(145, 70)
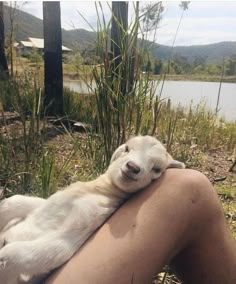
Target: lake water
(189, 92)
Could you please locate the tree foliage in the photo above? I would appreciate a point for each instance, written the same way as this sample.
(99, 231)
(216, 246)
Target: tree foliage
(151, 16)
(184, 5)
(76, 60)
(231, 65)
(157, 69)
(35, 57)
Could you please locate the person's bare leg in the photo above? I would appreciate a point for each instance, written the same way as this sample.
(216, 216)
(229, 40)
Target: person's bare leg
(176, 219)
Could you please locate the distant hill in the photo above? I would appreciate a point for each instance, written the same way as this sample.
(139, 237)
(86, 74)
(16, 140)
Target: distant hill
(211, 53)
(26, 25)
(78, 38)
(30, 26)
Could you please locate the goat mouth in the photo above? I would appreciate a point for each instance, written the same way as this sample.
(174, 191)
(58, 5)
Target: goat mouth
(127, 176)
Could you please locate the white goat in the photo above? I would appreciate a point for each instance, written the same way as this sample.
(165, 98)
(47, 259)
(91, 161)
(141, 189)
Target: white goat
(39, 235)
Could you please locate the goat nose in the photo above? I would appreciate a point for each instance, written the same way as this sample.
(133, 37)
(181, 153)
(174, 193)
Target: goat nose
(133, 167)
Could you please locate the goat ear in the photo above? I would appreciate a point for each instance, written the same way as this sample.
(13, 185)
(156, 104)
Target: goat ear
(174, 163)
(118, 152)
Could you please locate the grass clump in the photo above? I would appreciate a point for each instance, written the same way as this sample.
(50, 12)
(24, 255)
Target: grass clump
(27, 163)
(20, 141)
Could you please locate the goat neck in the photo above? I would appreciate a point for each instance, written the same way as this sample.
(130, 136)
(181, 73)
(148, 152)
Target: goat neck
(104, 186)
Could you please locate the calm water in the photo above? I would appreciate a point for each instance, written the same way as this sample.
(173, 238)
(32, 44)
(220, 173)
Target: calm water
(187, 92)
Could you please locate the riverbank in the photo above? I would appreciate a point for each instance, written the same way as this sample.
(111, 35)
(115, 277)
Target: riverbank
(199, 77)
(172, 77)
(184, 93)
(85, 71)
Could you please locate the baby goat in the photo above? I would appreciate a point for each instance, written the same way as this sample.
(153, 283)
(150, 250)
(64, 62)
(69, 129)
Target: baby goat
(39, 235)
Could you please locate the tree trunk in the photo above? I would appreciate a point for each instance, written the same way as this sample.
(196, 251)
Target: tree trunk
(118, 29)
(134, 60)
(53, 80)
(12, 14)
(119, 41)
(3, 59)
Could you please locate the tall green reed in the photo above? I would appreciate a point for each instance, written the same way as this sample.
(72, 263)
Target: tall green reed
(28, 162)
(125, 97)
(20, 141)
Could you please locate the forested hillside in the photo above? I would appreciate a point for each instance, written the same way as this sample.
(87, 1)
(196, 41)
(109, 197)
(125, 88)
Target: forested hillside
(27, 25)
(211, 53)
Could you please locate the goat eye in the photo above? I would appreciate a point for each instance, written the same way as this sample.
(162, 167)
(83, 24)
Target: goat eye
(156, 170)
(126, 149)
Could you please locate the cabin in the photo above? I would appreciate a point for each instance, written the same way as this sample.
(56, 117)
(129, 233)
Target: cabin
(25, 47)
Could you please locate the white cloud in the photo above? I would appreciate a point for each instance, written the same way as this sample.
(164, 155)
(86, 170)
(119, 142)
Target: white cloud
(71, 14)
(197, 31)
(32, 7)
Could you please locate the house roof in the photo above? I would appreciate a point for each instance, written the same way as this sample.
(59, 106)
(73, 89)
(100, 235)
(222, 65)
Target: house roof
(39, 43)
(66, 48)
(26, 43)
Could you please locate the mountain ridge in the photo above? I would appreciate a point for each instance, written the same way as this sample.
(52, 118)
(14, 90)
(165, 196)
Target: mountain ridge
(28, 25)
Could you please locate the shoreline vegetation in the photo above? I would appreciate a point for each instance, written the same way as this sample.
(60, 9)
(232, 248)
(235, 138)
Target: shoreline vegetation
(85, 71)
(203, 78)
(171, 77)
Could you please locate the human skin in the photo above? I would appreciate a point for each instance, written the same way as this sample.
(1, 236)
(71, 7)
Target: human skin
(177, 220)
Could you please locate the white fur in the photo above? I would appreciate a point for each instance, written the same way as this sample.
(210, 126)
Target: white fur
(39, 235)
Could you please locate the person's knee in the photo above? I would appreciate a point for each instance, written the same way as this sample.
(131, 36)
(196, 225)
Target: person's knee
(206, 236)
(192, 184)
(195, 187)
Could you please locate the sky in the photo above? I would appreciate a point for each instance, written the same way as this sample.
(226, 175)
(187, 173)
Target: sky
(205, 22)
